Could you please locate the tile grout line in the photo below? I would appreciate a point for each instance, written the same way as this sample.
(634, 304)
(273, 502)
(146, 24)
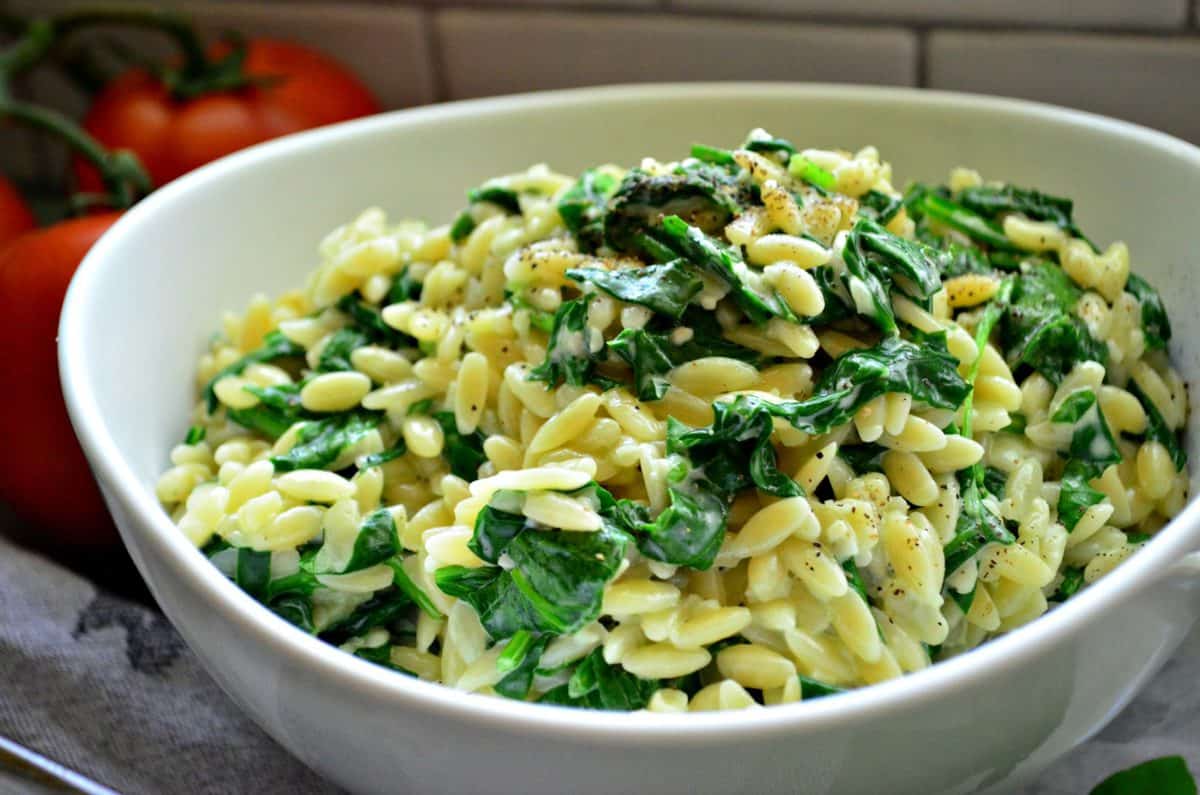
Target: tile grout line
(435, 53)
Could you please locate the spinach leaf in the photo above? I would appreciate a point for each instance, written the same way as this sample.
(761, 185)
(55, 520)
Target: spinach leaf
(462, 227)
(977, 525)
(253, 571)
(519, 662)
(381, 655)
(726, 264)
(1168, 775)
(666, 288)
(927, 371)
(375, 543)
(994, 201)
(970, 223)
(712, 154)
(382, 457)
(711, 465)
(555, 585)
(1091, 442)
(1072, 581)
(770, 145)
(1040, 329)
(295, 609)
(1075, 494)
(582, 207)
(1155, 325)
(837, 305)
(275, 346)
(648, 355)
(277, 410)
(707, 195)
(404, 288)
(876, 260)
(863, 458)
(402, 581)
(995, 481)
(879, 206)
(502, 197)
(335, 356)
(538, 318)
(855, 579)
(574, 350)
(382, 608)
(811, 173)
(369, 322)
(812, 688)
(597, 685)
(195, 434)
(321, 442)
(958, 260)
(463, 451)
(1157, 430)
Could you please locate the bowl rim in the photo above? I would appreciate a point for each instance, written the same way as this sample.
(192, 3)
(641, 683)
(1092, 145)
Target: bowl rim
(147, 519)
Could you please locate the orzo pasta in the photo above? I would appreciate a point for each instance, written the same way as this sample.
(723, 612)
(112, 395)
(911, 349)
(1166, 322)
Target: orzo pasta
(741, 430)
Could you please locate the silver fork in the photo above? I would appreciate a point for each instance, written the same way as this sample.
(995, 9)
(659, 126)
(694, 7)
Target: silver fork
(27, 771)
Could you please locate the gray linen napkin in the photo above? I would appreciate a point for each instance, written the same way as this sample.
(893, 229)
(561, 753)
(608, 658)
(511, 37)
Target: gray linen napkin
(106, 687)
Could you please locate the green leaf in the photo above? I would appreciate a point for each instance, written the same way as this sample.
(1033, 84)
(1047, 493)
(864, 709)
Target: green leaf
(597, 685)
(854, 578)
(195, 434)
(647, 355)
(463, 451)
(1072, 581)
(335, 356)
(253, 571)
(570, 356)
(812, 688)
(770, 145)
(990, 201)
(977, 526)
(384, 607)
(1091, 442)
(726, 264)
(275, 346)
(811, 173)
(1040, 329)
(970, 223)
(369, 322)
(402, 581)
(1155, 325)
(383, 456)
(494, 531)
(665, 289)
(462, 227)
(377, 541)
(582, 207)
(863, 458)
(712, 154)
(1157, 430)
(539, 319)
(321, 442)
(504, 198)
(1075, 494)
(556, 583)
(708, 195)
(404, 288)
(879, 206)
(519, 663)
(1168, 775)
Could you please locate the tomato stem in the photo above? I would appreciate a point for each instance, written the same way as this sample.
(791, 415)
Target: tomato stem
(124, 177)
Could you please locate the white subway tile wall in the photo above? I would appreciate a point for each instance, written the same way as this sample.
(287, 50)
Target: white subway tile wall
(1134, 60)
(558, 50)
(1150, 80)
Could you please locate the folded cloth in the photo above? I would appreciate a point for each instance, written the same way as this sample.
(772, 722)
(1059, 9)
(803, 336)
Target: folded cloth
(107, 687)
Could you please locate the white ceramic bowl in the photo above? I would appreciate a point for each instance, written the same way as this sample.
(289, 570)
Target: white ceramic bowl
(153, 288)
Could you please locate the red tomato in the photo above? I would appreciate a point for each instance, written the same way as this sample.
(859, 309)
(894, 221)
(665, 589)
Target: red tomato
(302, 89)
(43, 473)
(15, 217)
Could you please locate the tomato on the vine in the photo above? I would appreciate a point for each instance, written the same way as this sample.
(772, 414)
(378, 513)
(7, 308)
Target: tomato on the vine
(15, 217)
(43, 473)
(290, 88)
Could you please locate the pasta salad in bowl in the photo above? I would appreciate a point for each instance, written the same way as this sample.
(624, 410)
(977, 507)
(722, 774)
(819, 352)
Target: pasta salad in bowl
(749, 427)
